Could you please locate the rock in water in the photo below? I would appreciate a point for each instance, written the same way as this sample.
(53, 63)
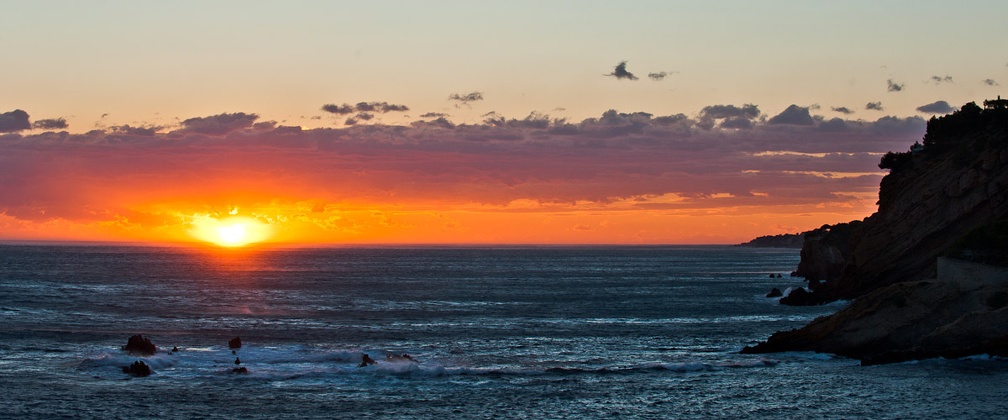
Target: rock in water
(775, 292)
(949, 317)
(235, 343)
(138, 368)
(139, 345)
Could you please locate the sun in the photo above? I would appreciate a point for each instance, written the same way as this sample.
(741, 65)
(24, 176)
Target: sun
(232, 232)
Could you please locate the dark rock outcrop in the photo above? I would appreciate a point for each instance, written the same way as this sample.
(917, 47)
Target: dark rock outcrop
(900, 322)
(138, 345)
(235, 343)
(775, 292)
(138, 368)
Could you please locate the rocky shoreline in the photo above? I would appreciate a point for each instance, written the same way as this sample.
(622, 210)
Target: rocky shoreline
(937, 199)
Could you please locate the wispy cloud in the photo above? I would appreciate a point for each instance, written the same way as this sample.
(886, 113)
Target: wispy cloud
(893, 86)
(380, 107)
(940, 79)
(50, 124)
(659, 76)
(874, 106)
(990, 82)
(843, 110)
(466, 98)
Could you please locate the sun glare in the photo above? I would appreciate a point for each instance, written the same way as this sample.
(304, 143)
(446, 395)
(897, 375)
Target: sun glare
(232, 232)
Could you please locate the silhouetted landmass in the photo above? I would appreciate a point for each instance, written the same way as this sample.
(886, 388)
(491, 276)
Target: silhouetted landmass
(786, 240)
(947, 197)
(935, 195)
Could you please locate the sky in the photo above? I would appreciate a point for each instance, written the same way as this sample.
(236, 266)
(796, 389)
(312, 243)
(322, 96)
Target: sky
(462, 122)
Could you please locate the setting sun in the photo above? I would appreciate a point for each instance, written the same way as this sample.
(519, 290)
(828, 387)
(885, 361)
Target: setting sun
(231, 232)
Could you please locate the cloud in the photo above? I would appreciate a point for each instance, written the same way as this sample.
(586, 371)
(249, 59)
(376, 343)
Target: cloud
(434, 115)
(15, 120)
(620, 72)
(728, 116)
(793, 115)
(874, 106)
(380, 107)
(843, 110)
(50, 124)
(466, 98)
(990, 82)
(939, 79)
(893, 86)
(338, 109)
(938, 107)
(219, 124)
(659, 76)
(611, 163)
(133, 131)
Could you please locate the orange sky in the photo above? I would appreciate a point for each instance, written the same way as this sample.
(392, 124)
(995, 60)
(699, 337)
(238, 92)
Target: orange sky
(462, 122)
(616, 179)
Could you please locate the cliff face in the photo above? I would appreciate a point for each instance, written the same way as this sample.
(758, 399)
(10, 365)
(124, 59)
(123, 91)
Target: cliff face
(935, 198)
(931, 198)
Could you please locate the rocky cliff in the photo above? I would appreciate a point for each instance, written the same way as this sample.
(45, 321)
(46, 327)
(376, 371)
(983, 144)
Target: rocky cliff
(936, 198)
(934, 195)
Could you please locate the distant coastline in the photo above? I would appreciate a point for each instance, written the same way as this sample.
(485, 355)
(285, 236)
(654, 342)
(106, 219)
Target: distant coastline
(786, 240)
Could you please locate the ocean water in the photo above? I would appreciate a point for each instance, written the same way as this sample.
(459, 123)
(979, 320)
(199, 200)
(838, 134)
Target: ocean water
(523, 332)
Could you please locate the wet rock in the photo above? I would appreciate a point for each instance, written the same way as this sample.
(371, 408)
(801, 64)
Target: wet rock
(138, 368)
(366, 361)
(235, 343)
(138, 345)
(775, 292)
(801, 297)
(240, 370)
(899, 323)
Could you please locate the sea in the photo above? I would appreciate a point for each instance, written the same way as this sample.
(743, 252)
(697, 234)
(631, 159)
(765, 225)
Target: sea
(491, 332)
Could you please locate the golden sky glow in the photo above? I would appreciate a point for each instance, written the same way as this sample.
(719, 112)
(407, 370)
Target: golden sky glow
(238, 123)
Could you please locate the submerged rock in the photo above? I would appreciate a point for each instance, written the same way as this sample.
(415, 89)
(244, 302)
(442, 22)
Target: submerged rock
(138, 345)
